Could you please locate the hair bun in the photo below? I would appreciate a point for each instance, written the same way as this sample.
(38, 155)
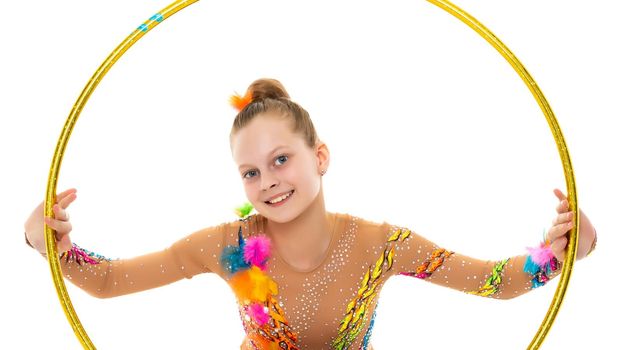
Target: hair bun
(267, 88)
(259, 89)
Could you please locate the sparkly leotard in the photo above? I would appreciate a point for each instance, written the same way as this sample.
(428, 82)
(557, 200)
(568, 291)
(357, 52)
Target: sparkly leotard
(329, 307)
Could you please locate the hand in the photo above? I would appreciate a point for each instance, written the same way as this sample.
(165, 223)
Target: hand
(34, 226)
(563, 223)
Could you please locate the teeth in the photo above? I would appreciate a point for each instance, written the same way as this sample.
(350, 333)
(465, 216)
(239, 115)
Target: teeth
(276, 200)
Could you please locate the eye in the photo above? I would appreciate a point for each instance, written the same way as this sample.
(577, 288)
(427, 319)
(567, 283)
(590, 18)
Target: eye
(248, 172)
(282, 157)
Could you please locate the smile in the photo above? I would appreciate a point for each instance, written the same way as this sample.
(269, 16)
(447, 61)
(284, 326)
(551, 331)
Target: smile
(280, 200)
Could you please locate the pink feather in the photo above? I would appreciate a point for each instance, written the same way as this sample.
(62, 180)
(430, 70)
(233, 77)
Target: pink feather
(257, 250)
(541, 255)
(258, 313)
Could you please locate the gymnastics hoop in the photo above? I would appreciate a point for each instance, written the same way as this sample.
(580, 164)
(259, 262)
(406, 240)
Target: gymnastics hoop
(50, 197)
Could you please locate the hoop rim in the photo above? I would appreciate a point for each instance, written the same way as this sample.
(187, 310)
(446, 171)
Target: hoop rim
(178, 5)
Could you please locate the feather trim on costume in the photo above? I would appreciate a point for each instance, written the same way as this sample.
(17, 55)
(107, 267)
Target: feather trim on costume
(258, 312)
(540, 263)
(253, 285)
(232, 257)
(255, 291)
(247, 262)
(244, 210)
(542, 255)
(257, 251)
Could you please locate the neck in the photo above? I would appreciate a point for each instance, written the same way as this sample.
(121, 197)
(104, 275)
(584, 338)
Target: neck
(303, 241)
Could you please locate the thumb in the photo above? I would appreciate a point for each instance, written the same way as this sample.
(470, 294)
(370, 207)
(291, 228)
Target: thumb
(64, 244)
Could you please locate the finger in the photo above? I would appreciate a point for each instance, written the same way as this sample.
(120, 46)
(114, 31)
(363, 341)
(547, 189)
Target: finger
(559, 230)
(61, 227)
(59, 209)
(559, 246)
(65, 193)
(59, 213)
(562, 207)
(68, 199)
(64, 203)
(64, 244)
(563, 218)
(559, 194)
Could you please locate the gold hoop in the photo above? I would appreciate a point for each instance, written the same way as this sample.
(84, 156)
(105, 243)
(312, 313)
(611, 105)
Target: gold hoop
(178, 5)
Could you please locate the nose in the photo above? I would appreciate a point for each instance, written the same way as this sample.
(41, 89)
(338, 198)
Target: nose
(268, 181)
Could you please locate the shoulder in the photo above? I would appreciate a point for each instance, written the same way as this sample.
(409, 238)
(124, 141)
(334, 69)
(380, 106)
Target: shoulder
(370, 227)
(365, 222)
(218, 231)
(248, 226)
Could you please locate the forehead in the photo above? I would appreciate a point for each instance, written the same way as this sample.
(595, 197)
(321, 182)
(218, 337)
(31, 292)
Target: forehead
(261, 136)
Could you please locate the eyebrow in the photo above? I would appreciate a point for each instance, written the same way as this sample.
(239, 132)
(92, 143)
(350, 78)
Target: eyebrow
(269, 154)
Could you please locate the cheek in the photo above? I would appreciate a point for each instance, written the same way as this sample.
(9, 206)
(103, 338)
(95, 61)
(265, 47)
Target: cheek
(292, 174)
(251, 192)
(298, 174)
(306, 181)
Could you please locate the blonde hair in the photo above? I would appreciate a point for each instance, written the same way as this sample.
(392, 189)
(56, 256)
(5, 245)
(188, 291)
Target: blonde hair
(269, 95)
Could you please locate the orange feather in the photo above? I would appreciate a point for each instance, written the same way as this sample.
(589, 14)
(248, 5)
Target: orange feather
(253, 285)
(239, 102)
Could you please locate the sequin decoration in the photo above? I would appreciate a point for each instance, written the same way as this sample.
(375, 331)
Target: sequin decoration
(81, 256)
(492, 283)
(430, 264)
(369, 330)
(275, 333)
(356, 311)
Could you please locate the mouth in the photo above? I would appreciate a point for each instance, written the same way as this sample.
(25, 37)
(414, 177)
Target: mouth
(280, 200)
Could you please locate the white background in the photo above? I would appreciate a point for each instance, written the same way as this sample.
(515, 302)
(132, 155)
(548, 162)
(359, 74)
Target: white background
(428, 127)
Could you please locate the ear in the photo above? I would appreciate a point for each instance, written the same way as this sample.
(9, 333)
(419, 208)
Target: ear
(323, 156)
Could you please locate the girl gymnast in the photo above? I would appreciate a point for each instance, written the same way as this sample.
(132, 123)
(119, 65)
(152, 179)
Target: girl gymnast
(303, 278)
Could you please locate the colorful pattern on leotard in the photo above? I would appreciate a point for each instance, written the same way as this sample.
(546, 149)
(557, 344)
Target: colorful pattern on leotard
(263, 319)
(82, 256)
(369, 330)
(274, 334)
(357, 310)
(331, 307)
(491, 286)
(541, 263)
(425, 270)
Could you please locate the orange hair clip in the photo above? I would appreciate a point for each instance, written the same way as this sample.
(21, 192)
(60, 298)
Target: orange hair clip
(239, 102)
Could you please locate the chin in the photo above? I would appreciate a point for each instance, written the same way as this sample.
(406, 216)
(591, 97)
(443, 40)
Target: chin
(281, 219)
(278, 214)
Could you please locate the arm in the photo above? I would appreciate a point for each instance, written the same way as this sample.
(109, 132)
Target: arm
(415, 256)
(507, 278)
(102, 277)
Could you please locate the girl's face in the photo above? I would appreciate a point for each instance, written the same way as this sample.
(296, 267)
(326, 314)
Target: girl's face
(274, 162)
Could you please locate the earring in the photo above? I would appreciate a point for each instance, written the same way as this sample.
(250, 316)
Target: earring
(323, 172)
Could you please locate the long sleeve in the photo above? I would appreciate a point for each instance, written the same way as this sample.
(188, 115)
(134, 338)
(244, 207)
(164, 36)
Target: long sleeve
(103, 277)
(416, 256)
